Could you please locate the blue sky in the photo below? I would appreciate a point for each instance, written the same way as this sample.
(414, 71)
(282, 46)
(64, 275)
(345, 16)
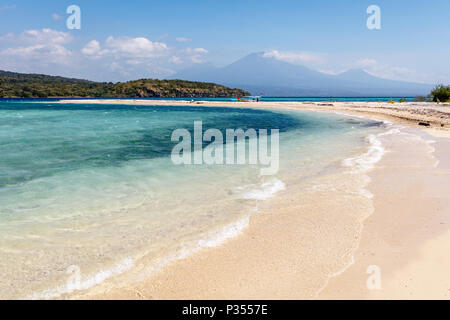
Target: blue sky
(122, 40)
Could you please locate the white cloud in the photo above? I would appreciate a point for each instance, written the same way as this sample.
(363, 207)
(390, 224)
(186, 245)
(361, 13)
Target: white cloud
(136, 47)
(183, 39)
(44, 47)
(366, 63)
(7, 37)
(384, 70)
(330, 71)
(93, 50)
(197, 59)
(132, 57)
(136, 51)
(294, 57)
(131, 51)
(337, 63)
(175, 60)
(45, 36)
(196, 55)
(55, 51)
(197, 51)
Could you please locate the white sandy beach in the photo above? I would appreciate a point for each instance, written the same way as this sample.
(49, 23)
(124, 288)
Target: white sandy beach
(285, 253)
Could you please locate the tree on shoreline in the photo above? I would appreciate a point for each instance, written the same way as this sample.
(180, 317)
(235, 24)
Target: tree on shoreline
(441, 93)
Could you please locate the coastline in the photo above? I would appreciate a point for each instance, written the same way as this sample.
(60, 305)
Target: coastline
(225, 159)
(408, 246)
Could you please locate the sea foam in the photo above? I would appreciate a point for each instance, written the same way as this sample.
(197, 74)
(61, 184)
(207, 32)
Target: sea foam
(80, 284)
(367, 160)
(266, 190)
(209, 239)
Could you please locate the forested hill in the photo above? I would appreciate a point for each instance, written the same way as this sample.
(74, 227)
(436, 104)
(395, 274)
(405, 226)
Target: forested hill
(38, 85)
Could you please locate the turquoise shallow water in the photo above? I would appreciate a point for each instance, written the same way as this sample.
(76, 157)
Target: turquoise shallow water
(266, 99)
(93, 186)
(41, 140)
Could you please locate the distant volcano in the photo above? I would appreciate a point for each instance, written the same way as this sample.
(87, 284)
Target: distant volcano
(259, 74)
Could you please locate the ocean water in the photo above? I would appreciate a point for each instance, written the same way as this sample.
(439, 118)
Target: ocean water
(89, 194)
(264, 99)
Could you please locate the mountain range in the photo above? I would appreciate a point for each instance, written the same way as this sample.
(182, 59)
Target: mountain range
(270, 77)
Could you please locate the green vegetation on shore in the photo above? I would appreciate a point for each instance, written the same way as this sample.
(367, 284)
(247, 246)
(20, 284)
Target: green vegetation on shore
(41, 86)
(441, 93)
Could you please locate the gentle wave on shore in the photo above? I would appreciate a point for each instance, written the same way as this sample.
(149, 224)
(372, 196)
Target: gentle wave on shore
(93, 187)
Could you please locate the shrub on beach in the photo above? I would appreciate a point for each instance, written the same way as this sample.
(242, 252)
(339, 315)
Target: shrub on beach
(427, 98)
(441, 93)
(420, 99)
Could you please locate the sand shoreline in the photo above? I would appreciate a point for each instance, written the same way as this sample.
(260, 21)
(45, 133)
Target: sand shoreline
(405, 237)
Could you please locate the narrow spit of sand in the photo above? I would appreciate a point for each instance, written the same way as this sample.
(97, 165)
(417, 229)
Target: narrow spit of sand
(406, 238)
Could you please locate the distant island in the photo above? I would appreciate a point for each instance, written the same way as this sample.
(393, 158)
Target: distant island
(21, 85)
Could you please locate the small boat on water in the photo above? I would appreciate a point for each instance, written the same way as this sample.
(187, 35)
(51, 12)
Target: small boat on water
(249, 99)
